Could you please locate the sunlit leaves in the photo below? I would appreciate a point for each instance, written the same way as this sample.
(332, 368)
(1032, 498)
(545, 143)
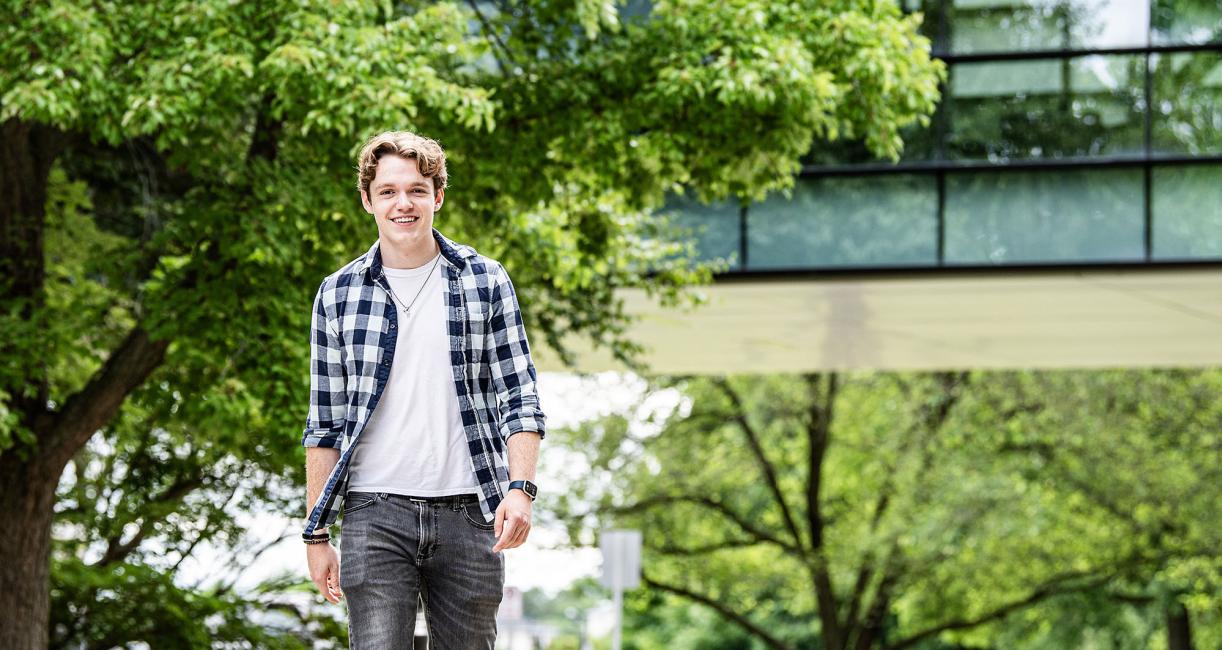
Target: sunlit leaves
(1035, 494)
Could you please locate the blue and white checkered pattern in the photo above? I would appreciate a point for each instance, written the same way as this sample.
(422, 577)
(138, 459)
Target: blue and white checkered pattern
(353, 345)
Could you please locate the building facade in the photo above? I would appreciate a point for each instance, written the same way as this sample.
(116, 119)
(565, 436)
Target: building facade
(1063, 209)
(1071, 133)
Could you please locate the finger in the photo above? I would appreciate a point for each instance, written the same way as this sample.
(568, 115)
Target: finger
(329, 594)
(521, 525)
(330, 582)
(521, 531)
(506, 534)
(524, 534)
(324, 589)
(500, 520)
(339, 593)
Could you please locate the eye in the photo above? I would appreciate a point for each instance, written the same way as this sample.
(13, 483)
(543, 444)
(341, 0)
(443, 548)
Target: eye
(386, 192)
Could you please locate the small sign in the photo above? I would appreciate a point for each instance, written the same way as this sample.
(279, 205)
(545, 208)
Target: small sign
(621, 559)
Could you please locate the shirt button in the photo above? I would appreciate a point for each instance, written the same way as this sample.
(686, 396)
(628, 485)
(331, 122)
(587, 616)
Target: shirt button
(386, 361)
(392, 326)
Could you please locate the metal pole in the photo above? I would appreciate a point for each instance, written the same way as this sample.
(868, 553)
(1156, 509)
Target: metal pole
(619, 618)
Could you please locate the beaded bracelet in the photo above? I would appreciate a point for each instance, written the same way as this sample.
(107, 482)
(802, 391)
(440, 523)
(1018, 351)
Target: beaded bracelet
(320, 540)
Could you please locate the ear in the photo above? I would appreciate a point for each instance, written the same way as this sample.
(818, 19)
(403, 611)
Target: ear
(438, 200)
(365, 202)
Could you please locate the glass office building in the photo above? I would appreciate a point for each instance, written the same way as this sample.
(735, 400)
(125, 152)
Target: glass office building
(1070, 133)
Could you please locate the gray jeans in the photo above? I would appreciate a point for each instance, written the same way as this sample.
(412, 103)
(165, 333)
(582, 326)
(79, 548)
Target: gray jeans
(395, 550)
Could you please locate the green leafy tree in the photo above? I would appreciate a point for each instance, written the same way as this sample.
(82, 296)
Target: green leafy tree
(1137, 456)
(902, 511)
(177, 178)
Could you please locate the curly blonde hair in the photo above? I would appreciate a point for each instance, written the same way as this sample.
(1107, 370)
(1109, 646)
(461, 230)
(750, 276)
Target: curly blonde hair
(427, 153)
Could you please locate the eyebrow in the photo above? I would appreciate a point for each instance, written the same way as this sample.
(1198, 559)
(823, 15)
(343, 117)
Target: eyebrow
(386, 184)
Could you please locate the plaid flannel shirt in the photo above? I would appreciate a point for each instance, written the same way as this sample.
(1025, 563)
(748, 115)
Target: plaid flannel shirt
(353, 345)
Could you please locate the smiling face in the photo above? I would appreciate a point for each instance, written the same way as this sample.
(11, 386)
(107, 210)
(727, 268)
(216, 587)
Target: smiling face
(402, 201)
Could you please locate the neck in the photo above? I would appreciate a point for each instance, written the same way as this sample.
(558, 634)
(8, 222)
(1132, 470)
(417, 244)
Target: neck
(397, 258)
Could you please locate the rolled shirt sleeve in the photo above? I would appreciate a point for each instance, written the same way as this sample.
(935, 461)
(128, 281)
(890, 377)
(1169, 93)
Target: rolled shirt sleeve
(328, 395)
(513, 371)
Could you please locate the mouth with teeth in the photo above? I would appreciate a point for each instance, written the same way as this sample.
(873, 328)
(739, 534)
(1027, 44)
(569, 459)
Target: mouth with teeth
(405, 220)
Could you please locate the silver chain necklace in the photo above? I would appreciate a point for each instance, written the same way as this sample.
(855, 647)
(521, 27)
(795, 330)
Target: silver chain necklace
(429, 276)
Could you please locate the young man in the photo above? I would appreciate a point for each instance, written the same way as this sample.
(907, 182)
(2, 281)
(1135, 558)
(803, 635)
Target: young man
(424, 423)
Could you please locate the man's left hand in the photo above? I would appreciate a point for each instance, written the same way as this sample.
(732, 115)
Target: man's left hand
(512, 521)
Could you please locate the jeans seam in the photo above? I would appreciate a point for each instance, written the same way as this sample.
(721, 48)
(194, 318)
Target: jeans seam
(428, 619)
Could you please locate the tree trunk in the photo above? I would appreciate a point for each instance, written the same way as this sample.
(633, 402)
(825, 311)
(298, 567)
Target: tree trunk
(1179, 630)
(30, 471)
(27, 152)
(27, 480)
(27, 496)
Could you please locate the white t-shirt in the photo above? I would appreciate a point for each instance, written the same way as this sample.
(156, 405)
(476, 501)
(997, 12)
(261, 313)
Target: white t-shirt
(414, 443)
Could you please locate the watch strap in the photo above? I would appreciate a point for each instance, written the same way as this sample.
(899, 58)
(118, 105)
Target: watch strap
(528, 487)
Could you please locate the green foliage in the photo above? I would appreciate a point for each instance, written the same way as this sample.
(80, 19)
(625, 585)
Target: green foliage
(654, 621)
(724, 98)
(203, 186)
(121, 605)
(1018, 510)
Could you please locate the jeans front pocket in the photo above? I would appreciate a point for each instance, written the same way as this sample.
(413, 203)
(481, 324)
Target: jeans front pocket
(358, 501)
(475, 516)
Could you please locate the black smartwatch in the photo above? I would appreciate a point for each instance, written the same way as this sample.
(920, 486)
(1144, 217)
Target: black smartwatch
(529, 488)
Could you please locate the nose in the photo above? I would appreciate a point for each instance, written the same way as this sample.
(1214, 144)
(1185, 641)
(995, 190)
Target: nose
(402, 201)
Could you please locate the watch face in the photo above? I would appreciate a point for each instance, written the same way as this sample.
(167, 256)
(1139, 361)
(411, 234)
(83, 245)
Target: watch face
(531, 489)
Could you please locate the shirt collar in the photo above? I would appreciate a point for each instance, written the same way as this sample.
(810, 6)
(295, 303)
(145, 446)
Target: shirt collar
(453, 253)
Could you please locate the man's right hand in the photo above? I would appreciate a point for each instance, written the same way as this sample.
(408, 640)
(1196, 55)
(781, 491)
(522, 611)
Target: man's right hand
(324, 570)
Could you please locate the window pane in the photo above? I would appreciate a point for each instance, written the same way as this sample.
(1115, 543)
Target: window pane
(1187, 103)
(1000, 26)
(716, 228)
(1025, 25)
(1082, 106)
(846, 221)
(1186, 202)
(1009, 217)
(1186, 21)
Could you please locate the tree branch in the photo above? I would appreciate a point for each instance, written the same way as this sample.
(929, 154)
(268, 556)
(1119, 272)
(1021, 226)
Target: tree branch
(716, 506)
(496, 38)
(818, 437)
(207, 531)
(237, 575)
(117, 551)
(866, 571)
(1049, 455)
(707, 548)
(872, 626)
(1063, 584)
(721, 608)
(97, 403)
(740, 417)
(932, 422)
